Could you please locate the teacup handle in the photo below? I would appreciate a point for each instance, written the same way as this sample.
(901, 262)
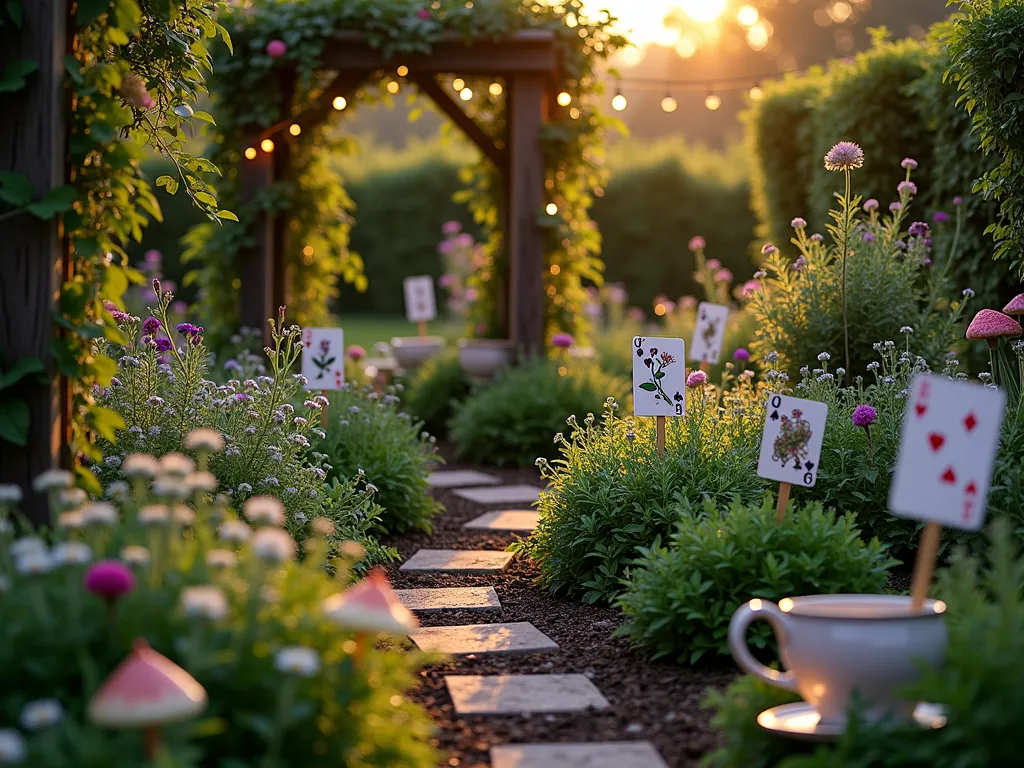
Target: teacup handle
(745, 614)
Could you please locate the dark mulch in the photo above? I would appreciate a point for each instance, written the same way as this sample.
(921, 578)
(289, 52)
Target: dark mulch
(656, 701)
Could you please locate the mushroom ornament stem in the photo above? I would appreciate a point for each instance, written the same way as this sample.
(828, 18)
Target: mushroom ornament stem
(991, 326)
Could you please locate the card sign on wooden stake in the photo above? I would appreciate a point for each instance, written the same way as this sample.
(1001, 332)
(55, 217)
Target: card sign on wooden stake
(709, 334)
(420, 303)
(948, 447)
(659, 380)
(323, 358)
(791, 444)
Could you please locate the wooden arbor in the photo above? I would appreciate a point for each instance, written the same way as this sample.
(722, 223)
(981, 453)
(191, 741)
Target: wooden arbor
(528, 63)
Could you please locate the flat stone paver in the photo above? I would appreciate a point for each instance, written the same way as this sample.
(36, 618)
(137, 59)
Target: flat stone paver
(501, 494)
(460, 478)
(464, 561)
(490, 639)
(511, 520)
(522, 694)
(613, 754)
(449, 599)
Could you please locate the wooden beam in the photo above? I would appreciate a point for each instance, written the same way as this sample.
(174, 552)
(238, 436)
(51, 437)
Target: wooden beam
(256, 267)
(469, 126)
(527, 52)
(33, 139)
(344, 85)
(527, 109)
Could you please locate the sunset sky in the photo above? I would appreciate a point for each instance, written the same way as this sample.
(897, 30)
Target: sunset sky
(644, 18)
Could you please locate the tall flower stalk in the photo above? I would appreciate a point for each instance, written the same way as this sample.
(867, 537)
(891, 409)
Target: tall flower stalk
(844, 156)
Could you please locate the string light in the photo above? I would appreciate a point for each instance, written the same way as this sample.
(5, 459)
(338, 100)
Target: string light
(402, 71)
(339, 103)
(669, 104)
(756, 93)
(712, 101)
(250, 153)
(307, 251)
(551, 209)
(458, 83)
(619, 102)
(495, 89)
(466, 94)
(267, 146)
(294, 129)
(392, 86)
(564, 99)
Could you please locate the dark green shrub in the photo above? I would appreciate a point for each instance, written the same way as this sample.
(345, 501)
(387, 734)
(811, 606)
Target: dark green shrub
(680, 597)
(434, 392)
(367, 435)
(611, 492)
(979, 686)
(511, 422)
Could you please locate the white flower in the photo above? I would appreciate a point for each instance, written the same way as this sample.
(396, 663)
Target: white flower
(183, 515)
(234, 530)
(371, 488)
(771, 357)
(25, 545)
(9, 496)
(244, 488)
(273, 545)
(298, 660)
(264, 509)
(71, 497)
(221, 558)
(99, 513)
(70, 521)
(177, 464)
(968, 293)
(557, 438)
(135, 555)
(269, 594)
(874, 365)
(205, 439)
(41, 713)
(112, 461)
(118, 490)
(206, 602)
(172, 486)
(72, 553)
(12, 747)
(822, 357)
(140, 465)
(154, 514)
(52, 479)
(906, 329)
(201, 481)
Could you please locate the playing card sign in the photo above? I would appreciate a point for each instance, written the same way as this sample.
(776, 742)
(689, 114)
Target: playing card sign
(791, 443)
(659, 376)
(709, 333)
(949, 441)
(420, 304)
(323, 358)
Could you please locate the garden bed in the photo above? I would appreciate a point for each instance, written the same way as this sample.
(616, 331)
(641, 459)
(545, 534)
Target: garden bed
(659, 702)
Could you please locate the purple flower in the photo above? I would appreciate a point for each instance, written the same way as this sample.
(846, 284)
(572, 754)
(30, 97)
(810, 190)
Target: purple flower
(768, 248)
(109, 579)
(185, 328)
(163, 345)
(451, 228)
(919, 229)
(867, 237)
(151, 257)
(241, 397)
(697, 243)
(909, 163)
(817, 237)
(871, 205)
(562, 340)
(907, 186)
(150, 326)
(798, 223)
(178, 307)
(940, 217)
(697, 379)
(864, 416)
(958, 201)
(895, 207)
(741, 354)
(800, 264)
(844, 156)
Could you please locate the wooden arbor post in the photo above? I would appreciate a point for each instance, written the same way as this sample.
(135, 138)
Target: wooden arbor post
(33, 136)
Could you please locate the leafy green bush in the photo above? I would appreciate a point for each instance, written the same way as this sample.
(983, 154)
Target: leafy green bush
(369, 436)
(680, 597)
(512, 421)
(223, 598)
(979, 686)
(611, 492)
(435, 390)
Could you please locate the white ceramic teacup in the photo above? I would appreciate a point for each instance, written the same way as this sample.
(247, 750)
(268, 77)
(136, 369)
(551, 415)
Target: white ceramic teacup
(834, 646)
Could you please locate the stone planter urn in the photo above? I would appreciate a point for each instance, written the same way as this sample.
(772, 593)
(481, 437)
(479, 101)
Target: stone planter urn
(410, 352)
(482, 358)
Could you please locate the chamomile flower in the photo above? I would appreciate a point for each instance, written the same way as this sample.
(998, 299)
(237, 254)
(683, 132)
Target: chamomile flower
(204, 602)
(273, 545)
(298, 660)
(41, 713)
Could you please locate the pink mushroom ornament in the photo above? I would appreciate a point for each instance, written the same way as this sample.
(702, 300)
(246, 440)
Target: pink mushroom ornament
(991, 326)
(370, 606)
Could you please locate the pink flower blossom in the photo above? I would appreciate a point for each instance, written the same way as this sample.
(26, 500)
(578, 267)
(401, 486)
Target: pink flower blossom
(714, 265)
(697, 379)
(751, 287)
(355, 352)
(451, 228)
(864, 416)
(562, 340)
(276, 49)
(464, 240)
(109, 579)
(423, 14)
(697, 243)
(688, 302)
(133, 91)
(723, 276)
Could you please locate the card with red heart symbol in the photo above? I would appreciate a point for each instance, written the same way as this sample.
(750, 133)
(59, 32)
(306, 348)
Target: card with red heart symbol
(949, 442)
(420, 303)
(323, 358)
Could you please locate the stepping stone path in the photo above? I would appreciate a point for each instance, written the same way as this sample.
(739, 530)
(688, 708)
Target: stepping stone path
(501, 494)
(460, 478)
(510, 520)
(506, 694)
(456, 561)
(449, 599)
(489, 639)
(522, 694)
(616, 754)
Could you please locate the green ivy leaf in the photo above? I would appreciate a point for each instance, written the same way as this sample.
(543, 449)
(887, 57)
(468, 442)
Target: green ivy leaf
(14, 420)
(21, 369)
(15, 188)
(206, 117)
(90, 10)
(227, 215)
(15, 12)
(169, 183)
(56, 201)
(106, 421)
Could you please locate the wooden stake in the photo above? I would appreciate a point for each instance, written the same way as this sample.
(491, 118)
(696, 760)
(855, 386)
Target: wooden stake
(704, 366)
(924, 565)
(323, 411)
(423, 329)
(661, 434)
(780, 510)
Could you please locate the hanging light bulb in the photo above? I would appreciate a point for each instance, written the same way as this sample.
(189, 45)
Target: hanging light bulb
(339, 103)
(250, 153)
(402, 71)
(619, 102)
(458, 83)
(564, 99)
(466, 94)
(669, 104)
(267, 146)
(756, 93)
(495, 89)
(294, 129)
(712, 101)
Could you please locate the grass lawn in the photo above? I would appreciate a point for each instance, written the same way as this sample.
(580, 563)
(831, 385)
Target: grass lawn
(367, 330)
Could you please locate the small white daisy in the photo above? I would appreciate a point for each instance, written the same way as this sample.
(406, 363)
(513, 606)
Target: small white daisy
(41, 713)
(205, 439)
(234, 530)
(99, 513)
(264, 510)
(135, 555)
(140, 465)
(52, 479)
(298, 660)
(273, 545)
(205, 602)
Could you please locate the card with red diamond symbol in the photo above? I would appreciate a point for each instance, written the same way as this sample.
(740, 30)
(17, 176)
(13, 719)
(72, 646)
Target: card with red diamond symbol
(949, 442)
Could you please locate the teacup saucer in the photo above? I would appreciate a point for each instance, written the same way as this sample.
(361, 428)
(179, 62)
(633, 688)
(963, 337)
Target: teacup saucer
(800, 721)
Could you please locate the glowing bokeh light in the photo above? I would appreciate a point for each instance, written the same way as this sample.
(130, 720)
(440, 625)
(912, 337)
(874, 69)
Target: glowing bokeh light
(619, 102)
(747, 15)
(339, 103)
(669, 104)
(564, 99)
(703, 11)
(713, 101)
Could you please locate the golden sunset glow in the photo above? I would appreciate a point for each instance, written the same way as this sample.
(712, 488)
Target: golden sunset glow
(644, 20)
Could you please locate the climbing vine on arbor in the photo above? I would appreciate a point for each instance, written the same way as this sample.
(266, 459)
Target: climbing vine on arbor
(275, 39)
(133, 77)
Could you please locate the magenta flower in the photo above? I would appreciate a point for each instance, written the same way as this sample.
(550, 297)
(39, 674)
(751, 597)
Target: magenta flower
(907, 186)
(844, 156)
(276, 49)
(723, 276)
(750, 287)
(150, 326)
(151, 257)
(817, 237)
(909, 163)
(162, 345)
(714, 265)
(870, 205)
(109, 579)
(958, 201)
(355, 352)
(451, 228)
(423, 14)
(864, 416)
(697, 243)
(562, 340)
(940, 217)
(895, 207)
(919, 229)
(741, 354)
(697, 379)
